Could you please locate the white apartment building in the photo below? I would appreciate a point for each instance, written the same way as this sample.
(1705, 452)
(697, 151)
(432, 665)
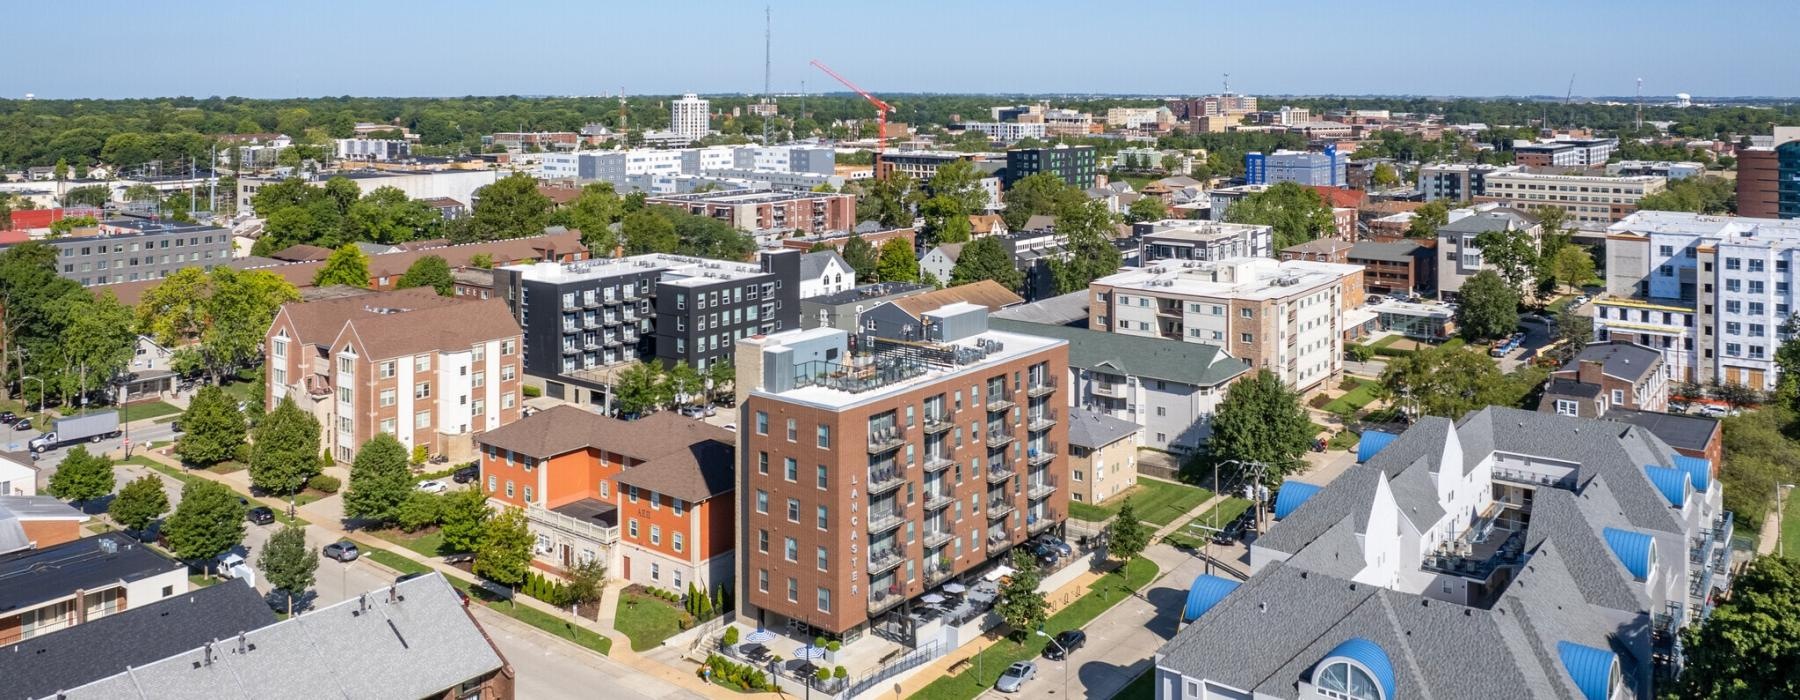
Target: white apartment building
(1138, 117)
(1711, 291)
(1591, 201)
(1008, 131)
(371, 149)
(690, 117)
(1285, 317)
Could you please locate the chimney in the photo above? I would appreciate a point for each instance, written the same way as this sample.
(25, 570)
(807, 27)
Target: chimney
(1589, 372)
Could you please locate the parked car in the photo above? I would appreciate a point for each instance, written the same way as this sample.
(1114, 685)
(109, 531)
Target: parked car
(1046, 551)
(731, 427)
(342, 550)
(261, 515)
(1015, 676)
(22, 424)
(233, 566)
(1066, 644)
(433, 486)
(7, 417)
(1060, 545)
(466, 474)
(175, 426)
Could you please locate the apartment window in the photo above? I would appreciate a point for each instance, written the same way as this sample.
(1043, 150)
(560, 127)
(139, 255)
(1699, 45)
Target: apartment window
(790, 469)
(791, 549)
(1247, 338)
(1618, 397)
(793, 510)
(1755, 265)
(678, 506)
(655, 534)
(631, 528)
(507, 347)
(824, 599)
(824, 476)
(479, 407)
(528, 494)
(387, 426)
(387, 397)
(506, 373)
(422, 363)
(506, 400)
(762, 463)
(631, 493)
(422, 419)
(675, 540)
(793, 590)
(493, 482)
(762, 580)
(762, 541)
(509, 490)
(1247, 313)
(824, 559)
(793, 430)
(824, 436)
(344, 394)
(762, 501)
(1733, 264)
(422, 390)
(762, 424)
(478, 380)
(824, 516)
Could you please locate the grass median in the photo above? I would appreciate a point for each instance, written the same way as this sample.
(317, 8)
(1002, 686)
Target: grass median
(1156, 501)
(980, 672)
(547, 622)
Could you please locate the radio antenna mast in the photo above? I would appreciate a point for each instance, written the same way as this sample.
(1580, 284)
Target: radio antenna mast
(768, 101)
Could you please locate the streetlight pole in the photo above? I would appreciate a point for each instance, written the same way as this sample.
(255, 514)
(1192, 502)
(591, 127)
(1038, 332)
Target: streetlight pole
(1065, 659)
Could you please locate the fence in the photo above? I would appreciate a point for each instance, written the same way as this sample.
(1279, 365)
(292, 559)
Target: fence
(922, 655)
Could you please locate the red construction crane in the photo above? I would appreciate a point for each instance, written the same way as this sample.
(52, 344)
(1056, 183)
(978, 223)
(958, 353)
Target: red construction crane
(881, 108)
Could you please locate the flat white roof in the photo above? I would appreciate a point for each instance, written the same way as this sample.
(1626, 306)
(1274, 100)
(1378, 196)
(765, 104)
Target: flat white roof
(676, 269)
(1232, 278)
(1012, 346)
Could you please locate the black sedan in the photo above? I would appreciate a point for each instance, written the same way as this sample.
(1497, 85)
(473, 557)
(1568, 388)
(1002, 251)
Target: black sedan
(1065, 644)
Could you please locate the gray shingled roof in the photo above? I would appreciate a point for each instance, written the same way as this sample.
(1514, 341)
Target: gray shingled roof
(813, 264)
(1063, 310)
(1495, 220)
(1093, 429)
(1402, 251)
(1679, 431)
(1628, 361)
(1156, 358)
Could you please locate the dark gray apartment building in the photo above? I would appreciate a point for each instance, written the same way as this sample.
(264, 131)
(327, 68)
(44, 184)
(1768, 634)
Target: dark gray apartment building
(585, 321)
(130, 250)
(1074, 164)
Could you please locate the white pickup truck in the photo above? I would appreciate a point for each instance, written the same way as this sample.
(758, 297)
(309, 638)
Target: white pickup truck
(232, 565)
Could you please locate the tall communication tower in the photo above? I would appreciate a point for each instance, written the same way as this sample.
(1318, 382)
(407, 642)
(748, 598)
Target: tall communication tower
(767, 99)
(1639, 123)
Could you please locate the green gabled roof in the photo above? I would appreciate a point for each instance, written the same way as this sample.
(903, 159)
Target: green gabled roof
(1156, 358)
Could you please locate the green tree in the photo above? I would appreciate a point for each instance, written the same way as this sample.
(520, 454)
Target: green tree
(238, 310)
(94, 342)
(512, 207)
(1749, 647)
(684, 383)
(208, 521)
(288, 563)
(387, 215)
(1022, 606)
(1260, 420)
(1428, 219)
(1449, 382)
(505, 551)
(482, 261)
(1148, 208)
(429, 271)
(1088, 228)
(284, 450)
(889, 201)
(587, 581)
(1512, 253)
(348, 265)
(986, 258)
(721, 375)
(1385, 175)
(1126, 535)
(465, 516)
(1570, 264)
(213, 428)
(956, 193)
(1488, 308)
(1573, 331)
(649, 231)
(1705, 194)
(87, 196)
(175, 310)
(140, 502)
(82, 476)
(1297, 213)
(419, 510)
(1038, 194)
(379, 480)
(639, 389)
(897, 262)
(593, 212)
(861, 257)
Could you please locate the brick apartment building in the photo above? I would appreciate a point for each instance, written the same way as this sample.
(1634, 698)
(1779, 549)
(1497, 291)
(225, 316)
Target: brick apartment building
(1606, 375)
(430, 370)
(758, 210)
(1402, 266)
(652, 498)
(867, 479)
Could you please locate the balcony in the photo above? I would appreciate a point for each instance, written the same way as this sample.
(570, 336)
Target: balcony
(997, 543)
(1000, 508)
(1040, 386)
(937, 538)
(937, 499)
(1041, 487)
(579, 527)
(936, 573)
(1037, 523)
(999, 401)
(935, 424)
(883, 598)
(882, 521)
(885, 480)
(886, 439)
(998, 438)
(630, 314)
(1037, 456)
(614, 301)
(1040, 421)
(1111, 390)
(884, 560)
(1169, 310)
(937, 462)
(996, 475)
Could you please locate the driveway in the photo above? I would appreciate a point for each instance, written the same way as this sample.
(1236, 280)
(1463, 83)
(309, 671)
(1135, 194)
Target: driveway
(548, 667)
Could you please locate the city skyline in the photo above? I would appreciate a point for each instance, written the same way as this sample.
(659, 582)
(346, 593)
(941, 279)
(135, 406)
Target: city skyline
(463, 48)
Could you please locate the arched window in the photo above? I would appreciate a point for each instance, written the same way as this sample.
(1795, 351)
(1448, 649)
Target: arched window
(1344, 681)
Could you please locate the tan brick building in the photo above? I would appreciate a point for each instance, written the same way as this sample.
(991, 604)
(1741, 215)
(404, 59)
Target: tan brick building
(430, 370)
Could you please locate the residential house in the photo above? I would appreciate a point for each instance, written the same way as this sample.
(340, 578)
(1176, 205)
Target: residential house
(37, 522)
(18, 474)
(1102, 456)
(1458, 256)
(429, 370)
(905, 318)
(150, 374)
(1606, 374)
(651, 498)
(843, 310)
(1329, 250)
(940, 262)
(824, 272)
(52, 588)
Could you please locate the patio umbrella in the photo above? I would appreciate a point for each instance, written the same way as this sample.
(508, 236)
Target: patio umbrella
(954, 588)
(760, 636)
(809, 652)
(932, 599)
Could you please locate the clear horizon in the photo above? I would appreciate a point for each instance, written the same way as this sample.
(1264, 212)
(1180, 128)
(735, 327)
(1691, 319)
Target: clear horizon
(1390, 48)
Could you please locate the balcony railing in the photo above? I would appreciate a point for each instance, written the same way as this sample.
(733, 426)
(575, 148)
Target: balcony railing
(999, 508)
(885, 480)
(937, 499)
(1035, 523)
(1041, 420)
(572, 525)
(882, 521)
(884, 560)
(1115, 390)
(1041, 455)
(936, 462)
(999, 401)
(885, 439)
(1040, 386)
(1041, 487)
(936, 573)
(935, 424)
(996, 475)
(998, 438)
(883, 598)
(934, 538)
(997, 542)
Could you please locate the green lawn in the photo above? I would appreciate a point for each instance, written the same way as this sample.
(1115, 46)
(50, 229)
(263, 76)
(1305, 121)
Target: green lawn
(1222, 514)
(241, 388)
(227, 467)
(647, 621)
(394, 561)
(1388, 341)
(1157, 502)
(148, 409)
(164, 469)
(534, 617)
(1361, 394)
(428, 542)
(1790, 525)
(980, 673)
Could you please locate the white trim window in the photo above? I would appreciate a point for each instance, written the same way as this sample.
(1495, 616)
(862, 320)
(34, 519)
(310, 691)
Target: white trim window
(1565, 407)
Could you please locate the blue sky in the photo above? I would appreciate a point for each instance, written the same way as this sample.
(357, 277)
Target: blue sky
(278, 48)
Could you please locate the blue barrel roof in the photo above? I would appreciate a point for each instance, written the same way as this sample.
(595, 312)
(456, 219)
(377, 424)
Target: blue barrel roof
(1699, 471)
(1206, 592)
(1590, 668)
(1370, 655)
(1372, 441)
(1291, 495)
(1633, 549)
(1671, 482)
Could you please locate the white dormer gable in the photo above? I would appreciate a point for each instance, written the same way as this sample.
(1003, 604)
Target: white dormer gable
(1379, 537)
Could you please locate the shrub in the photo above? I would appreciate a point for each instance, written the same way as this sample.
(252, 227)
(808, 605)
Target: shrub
(731, 636)
(420, 454)
(325, 482)
(833, 646)
(840, 673)
(531, 392)
(420, 510)
(819, 642)
(823, 674)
